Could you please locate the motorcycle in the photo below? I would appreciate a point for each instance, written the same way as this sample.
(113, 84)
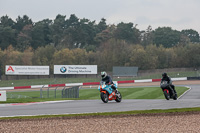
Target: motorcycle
(168, 90)
(107, 93)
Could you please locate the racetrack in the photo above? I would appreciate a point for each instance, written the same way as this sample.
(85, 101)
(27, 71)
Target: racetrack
(190, 99)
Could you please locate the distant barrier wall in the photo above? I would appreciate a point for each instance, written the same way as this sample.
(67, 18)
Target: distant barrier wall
(125, 71)
(97, 83)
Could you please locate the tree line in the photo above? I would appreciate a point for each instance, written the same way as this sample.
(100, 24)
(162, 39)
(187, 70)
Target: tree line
(74, 32)
(111, 53)
(80, 41)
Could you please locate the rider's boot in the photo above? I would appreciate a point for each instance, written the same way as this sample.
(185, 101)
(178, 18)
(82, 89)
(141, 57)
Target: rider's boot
(114, 89)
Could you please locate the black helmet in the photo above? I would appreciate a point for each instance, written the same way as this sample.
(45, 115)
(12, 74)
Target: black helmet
(164, 74)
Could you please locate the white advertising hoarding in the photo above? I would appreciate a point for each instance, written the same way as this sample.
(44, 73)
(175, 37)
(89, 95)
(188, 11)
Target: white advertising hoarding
(75, 69)
(3, 96)
(26, 70)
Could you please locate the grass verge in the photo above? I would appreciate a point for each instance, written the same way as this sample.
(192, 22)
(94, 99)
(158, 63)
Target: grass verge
(127, 93)
(155, 111)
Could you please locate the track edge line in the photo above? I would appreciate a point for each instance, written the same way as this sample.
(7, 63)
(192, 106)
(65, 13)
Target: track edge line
(185, 92)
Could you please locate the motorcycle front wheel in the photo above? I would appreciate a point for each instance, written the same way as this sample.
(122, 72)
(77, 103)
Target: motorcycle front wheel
(104, 97)
(175, 97)
(166, 95)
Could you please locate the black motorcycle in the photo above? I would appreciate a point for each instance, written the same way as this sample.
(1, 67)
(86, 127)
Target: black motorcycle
(168, 90)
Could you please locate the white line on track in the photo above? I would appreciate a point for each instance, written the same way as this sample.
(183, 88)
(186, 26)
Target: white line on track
(185, 92)
(22, 104)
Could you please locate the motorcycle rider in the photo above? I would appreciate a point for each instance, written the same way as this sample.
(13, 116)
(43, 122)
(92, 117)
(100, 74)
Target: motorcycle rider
(108, 80)
(169, 81)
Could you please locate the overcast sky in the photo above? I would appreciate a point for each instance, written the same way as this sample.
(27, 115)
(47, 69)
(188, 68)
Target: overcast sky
(178, 14)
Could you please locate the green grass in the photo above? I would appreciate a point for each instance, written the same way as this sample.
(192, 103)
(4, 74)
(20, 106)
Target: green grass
(28, 82)
(33, 94)
(155, 111)
(127, 93)
(133, 93)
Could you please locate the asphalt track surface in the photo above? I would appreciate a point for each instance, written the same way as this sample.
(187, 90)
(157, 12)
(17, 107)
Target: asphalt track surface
(189, 99)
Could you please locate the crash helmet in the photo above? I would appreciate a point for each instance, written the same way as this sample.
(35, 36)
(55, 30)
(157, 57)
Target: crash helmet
(164, 74)
(103, 74)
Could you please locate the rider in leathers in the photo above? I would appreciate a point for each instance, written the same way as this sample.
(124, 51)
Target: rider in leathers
(108, 80)
(169, 81)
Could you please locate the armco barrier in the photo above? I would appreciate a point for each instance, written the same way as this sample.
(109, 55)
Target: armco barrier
(74, 84)
(91, 83)
(156, 80)
(178, 79)
(143, 80)
(38, 86)
(193, 78)
(56, 85)
(96, 83)
(128, 81)
(6, 88)
(22, 87)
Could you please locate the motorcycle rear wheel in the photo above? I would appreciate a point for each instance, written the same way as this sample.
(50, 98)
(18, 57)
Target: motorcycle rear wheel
(104, 97)
(119, 98)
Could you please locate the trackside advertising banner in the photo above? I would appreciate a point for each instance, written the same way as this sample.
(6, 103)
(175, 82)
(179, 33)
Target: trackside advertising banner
(75, 69)
(26, 70)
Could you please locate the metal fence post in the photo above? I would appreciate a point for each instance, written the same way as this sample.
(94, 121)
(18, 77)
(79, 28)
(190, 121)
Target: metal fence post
(48, 92)
(78, 91)
(72, 93)
(63, 92)
(67, 90)
(55, 91)
(41, 95)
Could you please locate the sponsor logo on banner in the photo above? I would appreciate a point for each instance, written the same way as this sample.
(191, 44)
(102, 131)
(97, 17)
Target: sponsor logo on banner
(63, 69)
(26, 70)
(10, 69)
(75, 69)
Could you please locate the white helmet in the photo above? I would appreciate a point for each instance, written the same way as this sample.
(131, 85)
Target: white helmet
(103, 74)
